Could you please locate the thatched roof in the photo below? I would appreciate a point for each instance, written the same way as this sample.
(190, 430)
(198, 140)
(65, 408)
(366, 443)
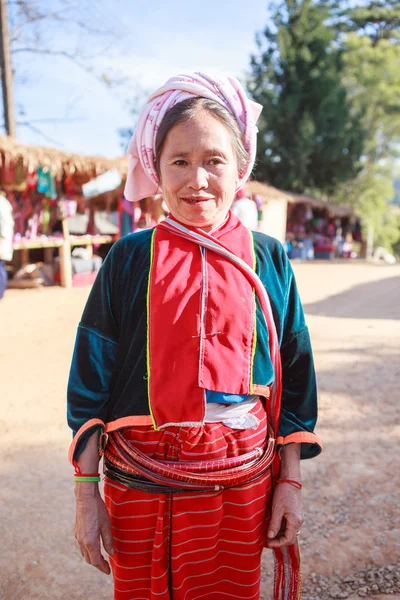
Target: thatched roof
(267, 192)
(303, 199)
(334, 210)
(88, 167)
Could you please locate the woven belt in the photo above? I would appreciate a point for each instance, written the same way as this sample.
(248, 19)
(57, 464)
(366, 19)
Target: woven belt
(129, 466)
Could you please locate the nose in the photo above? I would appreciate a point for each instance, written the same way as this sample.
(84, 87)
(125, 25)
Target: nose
(198, 178)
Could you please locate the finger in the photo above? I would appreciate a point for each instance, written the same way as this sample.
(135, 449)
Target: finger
(290, 532)
(84, 553)
(107, 538)
(100, 563)
(275, 523)
(287, 537)
(280, 542)
(96, 558)
(103, 566)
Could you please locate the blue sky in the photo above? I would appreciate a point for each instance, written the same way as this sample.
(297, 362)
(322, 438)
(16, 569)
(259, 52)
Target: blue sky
(154, 39)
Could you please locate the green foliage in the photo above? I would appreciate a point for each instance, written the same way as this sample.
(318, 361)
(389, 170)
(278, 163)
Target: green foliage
(371, 75)
(328, 75)
(309, 136)
(388, 233)
(377, 19)
(370, 195)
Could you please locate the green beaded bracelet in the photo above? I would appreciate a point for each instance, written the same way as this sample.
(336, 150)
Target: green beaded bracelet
(83, 478)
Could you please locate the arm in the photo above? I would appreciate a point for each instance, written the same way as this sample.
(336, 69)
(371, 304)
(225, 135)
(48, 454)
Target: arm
(89, 389)
(299, 389)
(287, 507)
(92, 367)
(296, 438)
(92, 521)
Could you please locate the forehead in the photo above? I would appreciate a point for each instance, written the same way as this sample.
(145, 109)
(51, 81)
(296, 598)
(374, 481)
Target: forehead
(202, 133)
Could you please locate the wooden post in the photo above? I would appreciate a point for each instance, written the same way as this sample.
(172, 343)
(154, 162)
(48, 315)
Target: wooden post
(65, 264)
(24, 256)
(48, 255)
(65, 256)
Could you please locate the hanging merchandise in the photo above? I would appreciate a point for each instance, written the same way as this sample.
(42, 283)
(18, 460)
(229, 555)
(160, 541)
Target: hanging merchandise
(32, 178)
(308, 214)
(7, 172)
(53, 188)
(43, 181)
(69, 187)
(45, 216)
(106, 182)
(46, 183)
(20, 175)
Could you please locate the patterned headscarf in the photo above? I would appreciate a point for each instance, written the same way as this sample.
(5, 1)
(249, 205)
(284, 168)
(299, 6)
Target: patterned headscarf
(142, 180)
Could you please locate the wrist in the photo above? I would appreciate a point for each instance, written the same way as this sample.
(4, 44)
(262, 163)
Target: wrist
(86, 490)
(290, 473)
(290, 462)
(293, 482)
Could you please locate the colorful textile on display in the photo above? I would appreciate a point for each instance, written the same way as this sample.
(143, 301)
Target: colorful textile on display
(142, 180)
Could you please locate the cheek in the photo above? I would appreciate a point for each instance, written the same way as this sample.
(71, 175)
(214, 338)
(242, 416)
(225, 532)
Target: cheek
(170, 181)
(227, 184)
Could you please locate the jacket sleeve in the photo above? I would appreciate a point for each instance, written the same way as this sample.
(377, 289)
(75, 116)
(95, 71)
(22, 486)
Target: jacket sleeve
(94, 356)
(299, 390)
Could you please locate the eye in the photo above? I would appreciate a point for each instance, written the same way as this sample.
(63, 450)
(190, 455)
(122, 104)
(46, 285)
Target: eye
(215, 161)
(180, 163)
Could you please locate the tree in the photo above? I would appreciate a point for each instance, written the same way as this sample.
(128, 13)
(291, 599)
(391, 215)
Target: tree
(369, 38)
(377, 19)
(59, 28)
(371, 76)
(310, 135)
(370, 194)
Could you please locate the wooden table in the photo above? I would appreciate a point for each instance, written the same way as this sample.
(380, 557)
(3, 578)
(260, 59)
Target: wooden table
(64, 246)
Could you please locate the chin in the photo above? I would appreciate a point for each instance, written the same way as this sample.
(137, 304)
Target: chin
(205, 223)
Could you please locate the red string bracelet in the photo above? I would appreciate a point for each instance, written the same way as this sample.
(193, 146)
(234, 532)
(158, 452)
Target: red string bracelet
(292, 482)
(78, 472)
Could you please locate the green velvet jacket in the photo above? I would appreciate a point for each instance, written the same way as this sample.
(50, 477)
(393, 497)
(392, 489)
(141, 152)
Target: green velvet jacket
(108, 377)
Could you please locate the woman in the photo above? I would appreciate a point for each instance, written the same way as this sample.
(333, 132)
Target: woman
(195, 383)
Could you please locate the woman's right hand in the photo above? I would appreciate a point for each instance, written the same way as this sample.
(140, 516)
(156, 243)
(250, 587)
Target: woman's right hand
(92, 522)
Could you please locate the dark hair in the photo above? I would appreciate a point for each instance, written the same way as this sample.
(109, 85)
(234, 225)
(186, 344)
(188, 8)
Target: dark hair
(188, 109)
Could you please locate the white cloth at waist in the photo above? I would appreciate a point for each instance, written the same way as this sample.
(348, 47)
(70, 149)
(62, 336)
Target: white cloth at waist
(235, 416)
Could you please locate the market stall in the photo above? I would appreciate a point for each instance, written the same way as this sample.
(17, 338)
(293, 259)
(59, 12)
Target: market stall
(308, 227)
(318, 229)
(45, 188)
(272, 205)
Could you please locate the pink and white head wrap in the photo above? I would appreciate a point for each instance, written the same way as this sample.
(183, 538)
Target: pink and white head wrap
(142, 180)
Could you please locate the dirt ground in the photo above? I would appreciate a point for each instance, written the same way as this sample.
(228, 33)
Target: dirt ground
(351, 535)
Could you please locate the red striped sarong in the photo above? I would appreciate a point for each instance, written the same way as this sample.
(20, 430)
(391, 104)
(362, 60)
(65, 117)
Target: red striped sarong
(190, 546)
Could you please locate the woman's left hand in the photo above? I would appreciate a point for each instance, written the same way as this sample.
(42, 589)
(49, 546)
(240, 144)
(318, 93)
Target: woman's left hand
(287, 516)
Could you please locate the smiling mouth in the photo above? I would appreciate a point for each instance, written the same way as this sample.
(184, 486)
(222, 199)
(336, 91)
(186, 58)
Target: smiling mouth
(199, 200)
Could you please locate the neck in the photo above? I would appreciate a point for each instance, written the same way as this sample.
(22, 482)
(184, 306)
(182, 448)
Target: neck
(206, 228)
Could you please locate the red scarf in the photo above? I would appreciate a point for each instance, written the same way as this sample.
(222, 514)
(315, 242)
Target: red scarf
(188, 354)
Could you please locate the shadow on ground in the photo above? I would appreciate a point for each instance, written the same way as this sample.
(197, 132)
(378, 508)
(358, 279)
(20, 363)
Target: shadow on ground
(373, 300)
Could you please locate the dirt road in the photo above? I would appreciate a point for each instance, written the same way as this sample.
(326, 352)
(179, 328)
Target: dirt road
(351, 537)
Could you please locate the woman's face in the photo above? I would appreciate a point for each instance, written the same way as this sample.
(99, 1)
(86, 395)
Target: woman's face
(199, 172)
